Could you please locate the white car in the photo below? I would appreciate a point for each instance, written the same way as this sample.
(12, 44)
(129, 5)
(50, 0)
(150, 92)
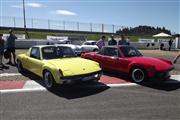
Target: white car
(76, 48)
(52, 42)
(89, 46)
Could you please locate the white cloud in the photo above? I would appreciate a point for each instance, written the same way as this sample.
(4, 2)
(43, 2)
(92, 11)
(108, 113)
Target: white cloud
(32, 5)
(16, 6)
(65, 12)
(35, 5)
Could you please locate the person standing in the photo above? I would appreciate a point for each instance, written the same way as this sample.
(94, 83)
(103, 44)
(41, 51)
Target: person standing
(1, 50)
(170, 44)
(101, 42)
(112, 41)
(11, 47)
(122, 41)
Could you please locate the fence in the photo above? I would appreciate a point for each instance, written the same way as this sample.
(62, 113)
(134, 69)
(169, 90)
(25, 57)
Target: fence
(57, 25)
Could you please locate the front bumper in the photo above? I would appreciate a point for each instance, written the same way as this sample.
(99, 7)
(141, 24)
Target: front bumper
(163, 74)
(81, 78)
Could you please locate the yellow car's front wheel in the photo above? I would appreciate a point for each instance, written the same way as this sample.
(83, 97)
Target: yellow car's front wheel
(49, 80)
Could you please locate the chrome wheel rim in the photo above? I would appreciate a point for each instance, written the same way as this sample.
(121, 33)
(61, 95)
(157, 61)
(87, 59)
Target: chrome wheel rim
(138, 75)
(48, 79)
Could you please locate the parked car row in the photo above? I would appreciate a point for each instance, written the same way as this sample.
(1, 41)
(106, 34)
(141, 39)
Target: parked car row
(87, 46)
(58, 64)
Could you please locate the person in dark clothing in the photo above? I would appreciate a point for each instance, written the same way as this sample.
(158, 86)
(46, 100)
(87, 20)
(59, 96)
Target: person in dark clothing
(162, 46)
(2, 52)
(170, 44)
(112, 41)
(148, 44)
(122, 41)
(11, 47)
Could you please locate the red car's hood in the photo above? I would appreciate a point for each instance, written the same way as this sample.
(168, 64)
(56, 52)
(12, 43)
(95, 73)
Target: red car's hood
(159, 64)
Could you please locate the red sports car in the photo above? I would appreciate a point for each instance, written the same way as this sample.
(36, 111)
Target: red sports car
(127, 59)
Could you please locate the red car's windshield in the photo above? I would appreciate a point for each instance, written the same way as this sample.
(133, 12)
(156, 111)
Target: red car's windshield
(130, 51)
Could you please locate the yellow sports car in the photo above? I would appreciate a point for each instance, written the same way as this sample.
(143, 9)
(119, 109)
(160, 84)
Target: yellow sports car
(58, 65)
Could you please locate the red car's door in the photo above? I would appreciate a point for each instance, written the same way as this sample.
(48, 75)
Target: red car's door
(109, 62)
(98, 58)
(122, 64)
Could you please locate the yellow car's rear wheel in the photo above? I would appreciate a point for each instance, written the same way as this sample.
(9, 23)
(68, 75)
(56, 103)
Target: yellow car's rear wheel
(49, 80)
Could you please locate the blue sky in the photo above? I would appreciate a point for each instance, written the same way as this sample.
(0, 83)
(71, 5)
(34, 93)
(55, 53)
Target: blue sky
(129, 13)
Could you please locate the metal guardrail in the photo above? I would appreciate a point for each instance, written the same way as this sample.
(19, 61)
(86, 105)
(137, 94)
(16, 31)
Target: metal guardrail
(58, 25)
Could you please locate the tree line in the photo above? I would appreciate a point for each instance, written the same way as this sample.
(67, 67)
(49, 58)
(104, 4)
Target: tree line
(143, 30)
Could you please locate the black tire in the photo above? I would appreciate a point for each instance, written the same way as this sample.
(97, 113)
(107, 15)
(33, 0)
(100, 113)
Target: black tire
(138, 75)
(92, 82)
(20, 67)
(96, 81)
(49, 80)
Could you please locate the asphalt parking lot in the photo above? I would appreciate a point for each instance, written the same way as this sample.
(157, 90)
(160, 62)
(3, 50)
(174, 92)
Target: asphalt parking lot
(102, 101)
(99, 103)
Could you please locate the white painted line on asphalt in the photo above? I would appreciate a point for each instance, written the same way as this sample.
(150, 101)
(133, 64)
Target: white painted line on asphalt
(9, 74)
(22, 90)
(122, 85)
(41, 88)
(175, 77)
(31, 85)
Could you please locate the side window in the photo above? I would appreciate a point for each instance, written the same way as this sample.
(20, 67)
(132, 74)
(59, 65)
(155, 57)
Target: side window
(87, 43)
(113, 52)
(35, 53)
(93, 43)
(101, 52)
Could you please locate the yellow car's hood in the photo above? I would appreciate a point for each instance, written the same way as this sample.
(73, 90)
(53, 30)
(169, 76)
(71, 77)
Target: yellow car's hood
(75, 66)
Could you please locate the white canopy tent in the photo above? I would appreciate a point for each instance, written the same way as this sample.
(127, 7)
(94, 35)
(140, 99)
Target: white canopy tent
(163, 39)
(162, 35)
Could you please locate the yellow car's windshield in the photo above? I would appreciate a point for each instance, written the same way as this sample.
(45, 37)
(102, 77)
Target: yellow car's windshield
(53, 52)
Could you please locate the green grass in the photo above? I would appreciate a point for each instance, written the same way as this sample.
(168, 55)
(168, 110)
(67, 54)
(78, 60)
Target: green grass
(42, 35)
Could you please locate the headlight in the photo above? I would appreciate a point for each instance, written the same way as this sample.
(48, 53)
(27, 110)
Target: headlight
(96, 75)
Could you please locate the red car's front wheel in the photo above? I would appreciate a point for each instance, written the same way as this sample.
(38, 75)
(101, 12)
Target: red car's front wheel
(138, 75)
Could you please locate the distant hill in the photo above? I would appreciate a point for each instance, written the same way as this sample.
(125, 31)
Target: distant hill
(143, 30)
